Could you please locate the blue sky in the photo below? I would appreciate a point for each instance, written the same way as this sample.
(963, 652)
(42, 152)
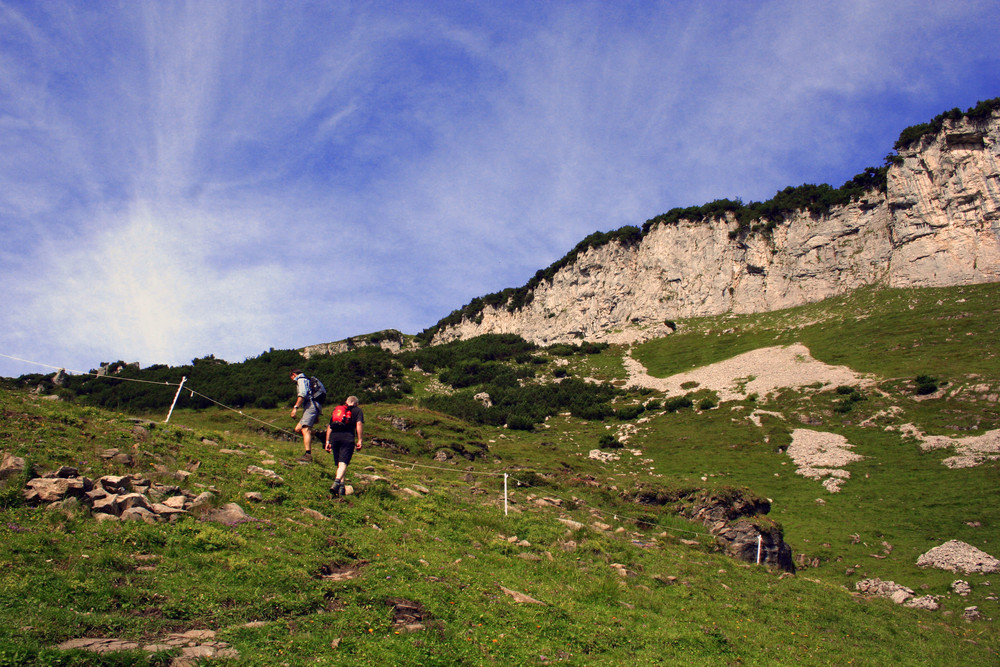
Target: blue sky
(180, 179)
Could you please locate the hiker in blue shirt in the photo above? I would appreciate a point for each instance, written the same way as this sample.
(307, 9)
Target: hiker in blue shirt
(310, 414)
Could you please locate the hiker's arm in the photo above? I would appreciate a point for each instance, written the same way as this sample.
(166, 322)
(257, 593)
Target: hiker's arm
(300, 397)
(328, 447)
(359, 429)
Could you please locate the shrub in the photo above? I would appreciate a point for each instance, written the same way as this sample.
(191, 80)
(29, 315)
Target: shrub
(847, 404)
(628, 412)
(677, 403)
(926, 385)
(608, 441)
(592, 411)
(520, 423)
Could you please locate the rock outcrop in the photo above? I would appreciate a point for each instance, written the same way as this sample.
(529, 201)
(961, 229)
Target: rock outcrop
(937, 224)
(390, 340)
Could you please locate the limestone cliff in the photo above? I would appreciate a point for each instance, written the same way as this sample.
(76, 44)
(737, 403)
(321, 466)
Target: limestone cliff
(936, 224)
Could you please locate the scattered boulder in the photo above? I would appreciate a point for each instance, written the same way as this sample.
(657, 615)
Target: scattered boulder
(202, 499)
(271, 477)
(398, 423)
(229, 514)
(570, 523)
(140, 514)
(50, 490)
(520, 597)
(960, 587)
(313, 514)
(886, 589)
(956, 556)
(11, 466)
(926, 602)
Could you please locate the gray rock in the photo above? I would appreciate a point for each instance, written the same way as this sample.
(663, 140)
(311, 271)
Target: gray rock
(204, 498)
(48, 490)
(131, 500)
(106, 504)
(230, 513)
(887, 589)
(11, 466)
(139, 514)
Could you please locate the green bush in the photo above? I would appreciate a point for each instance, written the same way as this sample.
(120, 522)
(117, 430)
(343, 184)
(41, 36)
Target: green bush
(608, 441)
(629, 412)
(677, 403)
(520, 423)
(926, 385)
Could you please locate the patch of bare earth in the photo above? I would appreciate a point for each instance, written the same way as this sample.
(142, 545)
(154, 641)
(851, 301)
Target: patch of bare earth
(758, 372)
(821, 455)
(970, 451)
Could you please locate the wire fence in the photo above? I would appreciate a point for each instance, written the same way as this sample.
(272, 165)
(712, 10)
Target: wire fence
(594, 511)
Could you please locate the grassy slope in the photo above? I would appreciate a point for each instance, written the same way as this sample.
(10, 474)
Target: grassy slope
(64, 575)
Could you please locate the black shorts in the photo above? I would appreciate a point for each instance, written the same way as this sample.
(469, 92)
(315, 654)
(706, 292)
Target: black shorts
(343, 450)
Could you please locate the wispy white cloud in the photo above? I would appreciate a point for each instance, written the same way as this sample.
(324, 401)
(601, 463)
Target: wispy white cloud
(175, 171)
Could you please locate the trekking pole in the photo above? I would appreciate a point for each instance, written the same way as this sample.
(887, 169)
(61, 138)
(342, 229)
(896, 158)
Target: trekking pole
(179, 387)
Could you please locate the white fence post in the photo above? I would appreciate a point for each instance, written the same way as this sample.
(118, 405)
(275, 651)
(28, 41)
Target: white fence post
(183, 380)
(505, 494)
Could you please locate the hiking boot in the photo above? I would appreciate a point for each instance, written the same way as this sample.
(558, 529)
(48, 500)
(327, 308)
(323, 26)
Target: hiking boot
(343, 489)
(306, 458)
(336, 489)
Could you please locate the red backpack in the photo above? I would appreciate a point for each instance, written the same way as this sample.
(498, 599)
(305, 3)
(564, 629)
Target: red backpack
(341, 416)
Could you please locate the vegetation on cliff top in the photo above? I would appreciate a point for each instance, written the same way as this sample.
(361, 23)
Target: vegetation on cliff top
(981, 111)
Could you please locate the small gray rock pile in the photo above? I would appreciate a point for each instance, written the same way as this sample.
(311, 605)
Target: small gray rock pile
(126, 497)
(956, 556)
(897, 593)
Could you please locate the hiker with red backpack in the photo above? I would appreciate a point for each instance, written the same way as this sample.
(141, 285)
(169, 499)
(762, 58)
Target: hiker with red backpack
(343, 438)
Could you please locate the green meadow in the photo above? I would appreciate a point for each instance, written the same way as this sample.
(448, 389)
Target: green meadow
(430, 563)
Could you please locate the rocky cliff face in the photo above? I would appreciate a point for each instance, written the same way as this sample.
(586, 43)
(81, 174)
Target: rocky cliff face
(937, 224)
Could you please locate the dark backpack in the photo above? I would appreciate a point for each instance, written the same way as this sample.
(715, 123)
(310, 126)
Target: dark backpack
(317, 392)
(341, 416)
